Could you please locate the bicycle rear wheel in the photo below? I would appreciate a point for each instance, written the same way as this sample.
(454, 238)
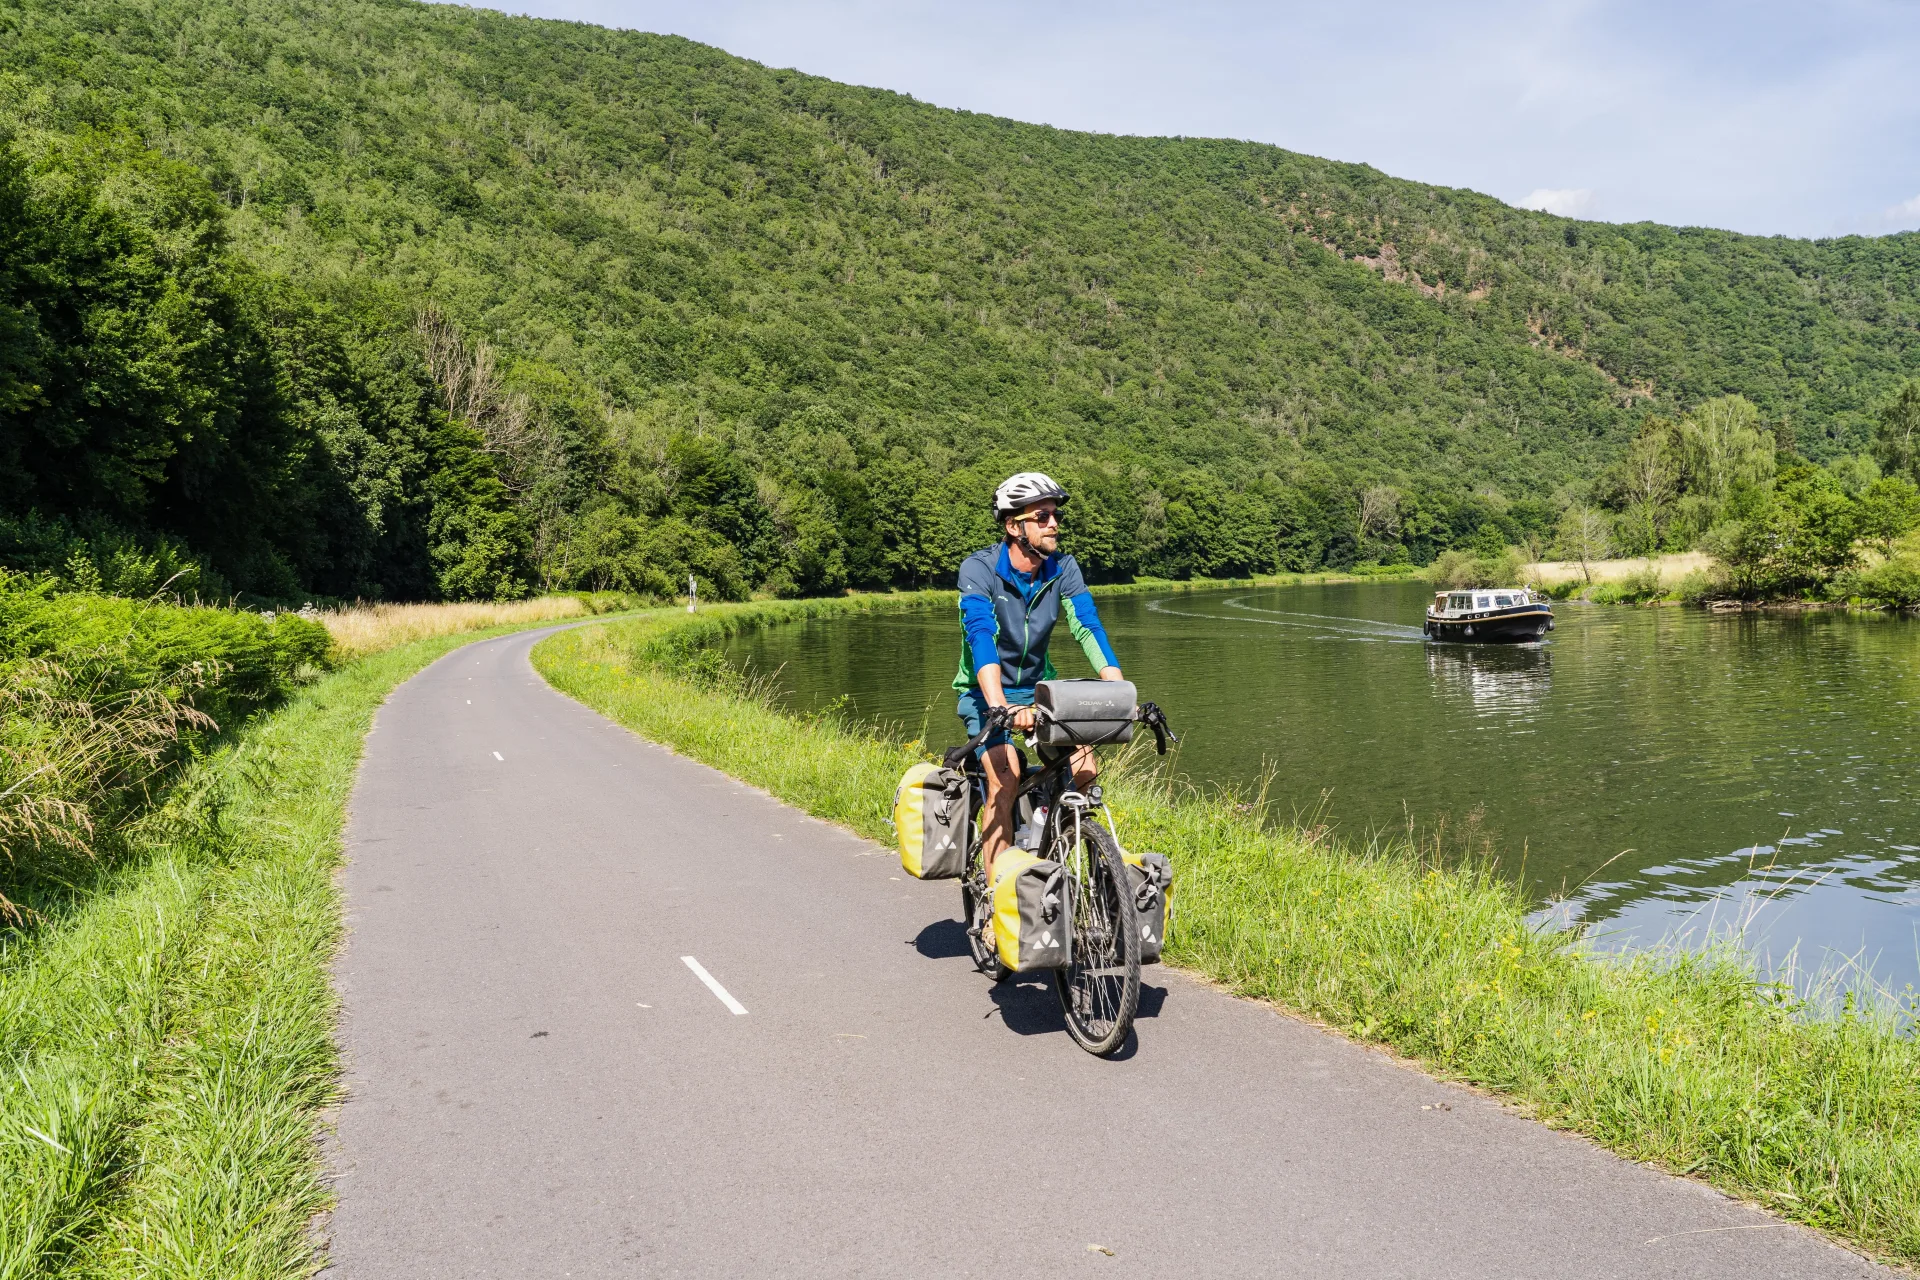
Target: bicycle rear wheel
(1100, 989)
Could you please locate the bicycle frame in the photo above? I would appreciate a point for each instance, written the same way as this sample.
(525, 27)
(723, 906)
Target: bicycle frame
(1037, 785)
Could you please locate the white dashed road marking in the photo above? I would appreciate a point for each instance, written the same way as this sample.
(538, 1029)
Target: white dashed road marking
(497, 756)
(713, 986)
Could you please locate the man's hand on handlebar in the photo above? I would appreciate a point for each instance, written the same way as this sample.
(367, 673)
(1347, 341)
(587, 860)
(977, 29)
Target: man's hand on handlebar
(1017, 718)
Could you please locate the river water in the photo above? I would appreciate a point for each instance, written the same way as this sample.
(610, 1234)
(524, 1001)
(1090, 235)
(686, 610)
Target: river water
(1663, 773)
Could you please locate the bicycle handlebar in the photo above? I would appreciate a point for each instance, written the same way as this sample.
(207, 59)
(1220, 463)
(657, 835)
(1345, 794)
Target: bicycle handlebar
(1147, 713)
(1155, 719)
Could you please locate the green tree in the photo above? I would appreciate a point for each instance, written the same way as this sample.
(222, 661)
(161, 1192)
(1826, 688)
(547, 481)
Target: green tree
(1795, 537)
(1725, 450)
(1888, 509)
(1585, 536)
(1896, 439)
(1645, 483)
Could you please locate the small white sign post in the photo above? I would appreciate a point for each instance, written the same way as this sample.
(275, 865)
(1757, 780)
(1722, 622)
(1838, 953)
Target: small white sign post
(693, 592)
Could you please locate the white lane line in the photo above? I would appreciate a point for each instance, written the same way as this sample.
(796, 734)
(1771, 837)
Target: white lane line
(713, 986)
(497, 756)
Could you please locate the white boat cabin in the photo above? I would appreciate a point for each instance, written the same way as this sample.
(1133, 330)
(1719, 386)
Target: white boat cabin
(1460, 604)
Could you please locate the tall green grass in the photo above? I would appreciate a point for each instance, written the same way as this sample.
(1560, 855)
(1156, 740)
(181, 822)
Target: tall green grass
(103, 701)
(1683, 1060)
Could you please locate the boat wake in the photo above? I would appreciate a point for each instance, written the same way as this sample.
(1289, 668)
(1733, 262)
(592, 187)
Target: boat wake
(1330, 626)
(1363, 626)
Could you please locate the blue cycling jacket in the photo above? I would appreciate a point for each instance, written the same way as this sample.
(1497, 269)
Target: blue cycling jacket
(1008, 618)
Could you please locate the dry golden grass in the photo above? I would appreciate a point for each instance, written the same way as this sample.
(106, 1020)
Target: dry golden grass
(1671, 568)
(363, 629)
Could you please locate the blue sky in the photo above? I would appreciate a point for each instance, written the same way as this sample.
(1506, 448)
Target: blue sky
(1766, 117)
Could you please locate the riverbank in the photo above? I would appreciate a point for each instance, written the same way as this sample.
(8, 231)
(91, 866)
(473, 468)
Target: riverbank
(1683, 1061)
(167, 1030)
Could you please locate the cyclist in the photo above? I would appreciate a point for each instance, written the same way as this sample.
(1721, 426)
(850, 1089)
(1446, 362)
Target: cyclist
(1011, 594)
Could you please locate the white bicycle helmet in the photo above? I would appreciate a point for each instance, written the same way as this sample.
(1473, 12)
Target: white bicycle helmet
(1023, 490)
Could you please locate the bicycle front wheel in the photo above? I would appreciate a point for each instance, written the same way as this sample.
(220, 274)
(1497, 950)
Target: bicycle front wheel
(1100, 989)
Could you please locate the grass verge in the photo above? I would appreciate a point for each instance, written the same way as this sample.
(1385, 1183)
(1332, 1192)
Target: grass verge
(167, 1042)
(1681, 1060)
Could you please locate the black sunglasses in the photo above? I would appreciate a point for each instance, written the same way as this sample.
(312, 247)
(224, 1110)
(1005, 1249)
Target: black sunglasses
(1042, 517)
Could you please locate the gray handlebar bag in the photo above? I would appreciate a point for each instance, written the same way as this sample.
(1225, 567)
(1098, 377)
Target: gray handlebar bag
(1084, 712)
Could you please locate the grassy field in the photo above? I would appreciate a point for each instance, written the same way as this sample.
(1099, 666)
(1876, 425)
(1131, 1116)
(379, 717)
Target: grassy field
(1680, 1060)
(167, 1037)
(362, 629)
(1668, 569)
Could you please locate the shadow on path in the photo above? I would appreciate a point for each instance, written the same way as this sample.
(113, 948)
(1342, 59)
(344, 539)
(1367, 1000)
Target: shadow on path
(1026, 1002)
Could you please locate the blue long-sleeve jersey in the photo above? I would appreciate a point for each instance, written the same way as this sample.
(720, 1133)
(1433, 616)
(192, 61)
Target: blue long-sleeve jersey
(1009, 616)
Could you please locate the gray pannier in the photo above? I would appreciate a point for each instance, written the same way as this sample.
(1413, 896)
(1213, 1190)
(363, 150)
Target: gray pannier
(1084, 712)
(1150, 877)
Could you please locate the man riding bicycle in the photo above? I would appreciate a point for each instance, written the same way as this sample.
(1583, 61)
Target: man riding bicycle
(1011, 594)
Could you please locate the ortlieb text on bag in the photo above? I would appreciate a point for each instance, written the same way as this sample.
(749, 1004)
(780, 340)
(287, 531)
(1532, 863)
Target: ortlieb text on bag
(1032, 912)
(931, 819)
(1150, 879)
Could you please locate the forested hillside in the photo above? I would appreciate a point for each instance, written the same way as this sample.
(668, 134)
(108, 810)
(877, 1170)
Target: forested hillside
(382, 298)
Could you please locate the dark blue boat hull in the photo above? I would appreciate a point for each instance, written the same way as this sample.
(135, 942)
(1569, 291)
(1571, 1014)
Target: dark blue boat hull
(1521, 624)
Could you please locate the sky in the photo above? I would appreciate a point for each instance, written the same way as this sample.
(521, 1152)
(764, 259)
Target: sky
(1767, 117)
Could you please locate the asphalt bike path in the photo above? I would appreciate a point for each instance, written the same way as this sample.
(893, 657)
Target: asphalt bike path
(541, 1084)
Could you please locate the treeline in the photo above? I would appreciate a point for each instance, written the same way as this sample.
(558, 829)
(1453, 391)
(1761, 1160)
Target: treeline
(1720, 479)
(385, 299)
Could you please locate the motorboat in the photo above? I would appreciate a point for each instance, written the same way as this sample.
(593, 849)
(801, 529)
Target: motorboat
(1489, 615)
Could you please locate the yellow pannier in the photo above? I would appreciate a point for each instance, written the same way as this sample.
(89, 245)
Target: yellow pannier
(1032, 912)
(930, 819)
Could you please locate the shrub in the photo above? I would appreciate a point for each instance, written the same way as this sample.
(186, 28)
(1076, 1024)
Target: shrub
(1457, 570)
(1703, 585)
(116, 645)
(1894, 584)
(1635, 588)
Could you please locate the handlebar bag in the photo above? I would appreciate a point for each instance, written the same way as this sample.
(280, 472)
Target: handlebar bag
(1150, 878)
(1032, 912)
(1084, 712)
(930, 820)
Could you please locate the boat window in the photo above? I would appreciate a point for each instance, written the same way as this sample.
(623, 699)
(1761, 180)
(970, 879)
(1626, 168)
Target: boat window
(1482, 603)
(1501, 602)
(1460, 602)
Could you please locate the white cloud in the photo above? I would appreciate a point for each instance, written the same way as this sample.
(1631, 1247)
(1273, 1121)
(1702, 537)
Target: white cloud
(1905, 214)
(1568, 202)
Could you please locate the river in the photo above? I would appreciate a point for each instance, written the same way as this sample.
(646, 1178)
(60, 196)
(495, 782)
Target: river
(1665, 774)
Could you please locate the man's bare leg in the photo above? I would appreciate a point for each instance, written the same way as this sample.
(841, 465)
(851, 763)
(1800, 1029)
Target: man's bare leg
(1002, 766)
